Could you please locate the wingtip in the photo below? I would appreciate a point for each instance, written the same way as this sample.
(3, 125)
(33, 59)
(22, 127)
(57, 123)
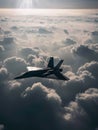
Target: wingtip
(67, 79)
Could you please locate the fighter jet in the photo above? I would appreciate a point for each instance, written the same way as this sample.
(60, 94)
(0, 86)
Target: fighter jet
(51, 71)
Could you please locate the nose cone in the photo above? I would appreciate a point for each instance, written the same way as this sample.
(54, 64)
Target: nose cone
(19, 77)
(24, 75)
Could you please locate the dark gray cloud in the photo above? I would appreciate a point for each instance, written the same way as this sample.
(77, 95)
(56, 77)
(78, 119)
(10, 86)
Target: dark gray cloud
(66, 31)
(42, 111)
(86, 52)
(87, 100)
(69, 42)
(83, 111)
(34, 106)
(44, 31)
(94, 36)
(1, 51)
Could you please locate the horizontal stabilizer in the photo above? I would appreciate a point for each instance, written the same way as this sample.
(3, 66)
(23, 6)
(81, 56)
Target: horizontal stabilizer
(61, 76)
(59, 64)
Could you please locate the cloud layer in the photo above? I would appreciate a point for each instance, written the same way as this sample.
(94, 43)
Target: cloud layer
(40, 104)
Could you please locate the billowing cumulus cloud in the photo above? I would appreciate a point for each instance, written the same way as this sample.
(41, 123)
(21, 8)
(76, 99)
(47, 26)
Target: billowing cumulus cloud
(42, 111)
(8, 48)
(82, 112)
(92, 67)
(86, 100)
(25, 52)
(3, 74)
(15, 65)
(85, 52)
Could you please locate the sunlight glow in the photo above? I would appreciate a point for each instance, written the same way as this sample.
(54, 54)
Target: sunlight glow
(26, 4)
(47, 12)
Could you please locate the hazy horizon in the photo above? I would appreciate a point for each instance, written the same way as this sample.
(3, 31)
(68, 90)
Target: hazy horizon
(51, 12)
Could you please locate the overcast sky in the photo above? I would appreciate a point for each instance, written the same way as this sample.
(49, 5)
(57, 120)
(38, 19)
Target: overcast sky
(50, 3)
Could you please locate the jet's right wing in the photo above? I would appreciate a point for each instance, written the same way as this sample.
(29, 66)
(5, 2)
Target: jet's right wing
(59, 64)
(60, 76)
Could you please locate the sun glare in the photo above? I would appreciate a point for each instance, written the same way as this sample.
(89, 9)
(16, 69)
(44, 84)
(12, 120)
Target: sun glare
(26, 4)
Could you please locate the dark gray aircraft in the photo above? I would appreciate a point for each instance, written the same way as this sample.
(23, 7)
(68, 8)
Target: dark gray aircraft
(51, 71)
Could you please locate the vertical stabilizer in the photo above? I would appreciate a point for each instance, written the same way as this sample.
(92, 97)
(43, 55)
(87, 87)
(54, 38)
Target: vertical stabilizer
(51, 62)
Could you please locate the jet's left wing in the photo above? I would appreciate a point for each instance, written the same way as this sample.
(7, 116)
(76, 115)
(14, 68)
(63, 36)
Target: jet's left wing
(57, 75)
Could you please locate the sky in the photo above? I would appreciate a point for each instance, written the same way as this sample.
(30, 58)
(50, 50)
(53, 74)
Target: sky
(49, 4)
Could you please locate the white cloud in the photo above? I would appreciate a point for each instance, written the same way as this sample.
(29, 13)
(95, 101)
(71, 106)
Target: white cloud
(15, 65)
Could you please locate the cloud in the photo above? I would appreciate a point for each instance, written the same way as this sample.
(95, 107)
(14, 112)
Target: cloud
(37, 108)
(76, 115)
(7, 42)
(85, 78)
(66, 31)
(13, 85)
(40, 91)
(1, 127)
(89, 41)
(3, 74)
(82, 112)
(92, 67)
(69, 41)
(25, 52)
(44, 31)
(88, 101)
(14, 28)
(7, 33)
(78, 83)
(8, 48)
(30, 58)
(94, 36)
(39, 62)
(66, 68)
(85, 52)
(1, 51)
(15, 65)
